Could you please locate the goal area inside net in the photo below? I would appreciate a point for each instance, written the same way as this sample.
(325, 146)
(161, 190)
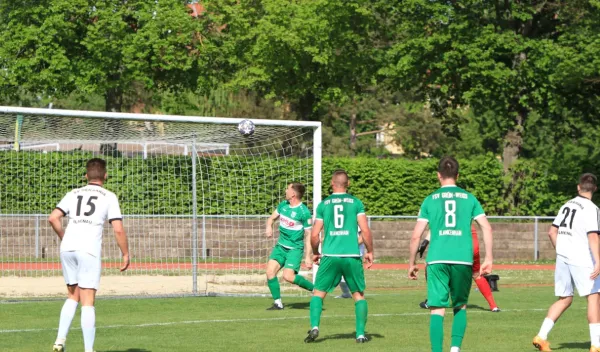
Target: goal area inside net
(195, 194)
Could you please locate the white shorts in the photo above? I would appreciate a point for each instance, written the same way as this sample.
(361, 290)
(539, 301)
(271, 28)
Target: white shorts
(566, 276)
(81, 268)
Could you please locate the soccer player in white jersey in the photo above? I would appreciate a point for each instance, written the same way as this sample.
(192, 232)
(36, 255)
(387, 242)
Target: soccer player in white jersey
(81, 244)
(574, 234)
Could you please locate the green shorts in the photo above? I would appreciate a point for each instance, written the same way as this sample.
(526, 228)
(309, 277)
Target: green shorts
(286, 257)
(331, 270)
(445, 281)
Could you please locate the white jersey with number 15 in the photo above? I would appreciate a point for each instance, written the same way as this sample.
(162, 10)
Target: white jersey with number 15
(88, 208)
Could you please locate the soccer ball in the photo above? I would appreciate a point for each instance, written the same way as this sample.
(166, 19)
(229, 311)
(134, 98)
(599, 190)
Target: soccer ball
(246, 128)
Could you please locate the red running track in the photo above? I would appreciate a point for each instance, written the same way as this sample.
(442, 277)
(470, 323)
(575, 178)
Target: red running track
(238, 266)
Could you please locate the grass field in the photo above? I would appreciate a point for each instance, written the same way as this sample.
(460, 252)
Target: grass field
(396, 323)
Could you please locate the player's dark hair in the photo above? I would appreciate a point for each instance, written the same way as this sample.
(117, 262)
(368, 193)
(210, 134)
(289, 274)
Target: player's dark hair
(340, 178)
(299, 189)
(587, 182)
(448, 167)
(95, 169)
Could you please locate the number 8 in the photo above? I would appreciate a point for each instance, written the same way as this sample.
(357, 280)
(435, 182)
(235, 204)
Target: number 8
(450, 206)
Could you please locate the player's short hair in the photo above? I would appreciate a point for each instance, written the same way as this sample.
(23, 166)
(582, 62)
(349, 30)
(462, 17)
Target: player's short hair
(95, 169)
(340, 178)
(448, 167)
(588, 182)
(298, 188)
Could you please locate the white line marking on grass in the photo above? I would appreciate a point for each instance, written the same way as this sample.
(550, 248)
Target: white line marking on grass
(242, 320)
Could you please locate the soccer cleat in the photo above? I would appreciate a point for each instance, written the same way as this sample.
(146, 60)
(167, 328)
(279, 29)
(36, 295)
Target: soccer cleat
(312, 335)
(424, 305)
(362, 339)
(496, 310)
(275, 307)
(541, 344)
(58, 348)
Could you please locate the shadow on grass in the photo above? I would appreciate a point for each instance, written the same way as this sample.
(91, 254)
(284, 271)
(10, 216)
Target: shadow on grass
(129, 350)
(476, 307)
(299, 305)
(349, 336)
(573, 345)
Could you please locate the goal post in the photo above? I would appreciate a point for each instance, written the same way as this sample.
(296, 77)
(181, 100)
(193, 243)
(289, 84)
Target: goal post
(195, 194)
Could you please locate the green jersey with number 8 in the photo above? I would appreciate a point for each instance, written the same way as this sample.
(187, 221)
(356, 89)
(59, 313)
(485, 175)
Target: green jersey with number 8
(450, 211)
(339, 213)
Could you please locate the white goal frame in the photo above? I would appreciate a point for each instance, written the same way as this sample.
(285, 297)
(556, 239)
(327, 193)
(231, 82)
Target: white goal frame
(316, 149)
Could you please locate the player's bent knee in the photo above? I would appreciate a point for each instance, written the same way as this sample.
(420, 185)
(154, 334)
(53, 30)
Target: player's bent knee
(289, 276)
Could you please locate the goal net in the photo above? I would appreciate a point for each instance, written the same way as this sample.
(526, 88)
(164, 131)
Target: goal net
(195, 194)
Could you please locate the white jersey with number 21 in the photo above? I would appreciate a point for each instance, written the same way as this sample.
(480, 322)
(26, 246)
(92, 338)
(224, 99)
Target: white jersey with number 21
(87, 208)
(574, 221)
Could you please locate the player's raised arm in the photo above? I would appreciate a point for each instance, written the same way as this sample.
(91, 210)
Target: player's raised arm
(270, 221)
(486, 267)
(55, 221)
(367, 238)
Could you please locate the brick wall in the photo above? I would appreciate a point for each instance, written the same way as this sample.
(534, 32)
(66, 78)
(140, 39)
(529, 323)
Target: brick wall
(165, 239)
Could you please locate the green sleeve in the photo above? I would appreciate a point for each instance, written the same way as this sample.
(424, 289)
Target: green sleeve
(477, 209)
(360, 207)
(320, 211)
(278, 209)
(424, 212)
(306, 220)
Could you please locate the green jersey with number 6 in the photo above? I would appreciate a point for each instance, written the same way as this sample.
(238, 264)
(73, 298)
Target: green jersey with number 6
(339, 213)
(450, 211)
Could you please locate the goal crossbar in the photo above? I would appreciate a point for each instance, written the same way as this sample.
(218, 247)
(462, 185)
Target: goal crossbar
(154, 117)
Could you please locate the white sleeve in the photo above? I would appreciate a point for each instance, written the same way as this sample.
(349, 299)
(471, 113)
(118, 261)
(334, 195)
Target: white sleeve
(114, 210)
(557, 219)
(592, 220)
(63, 205)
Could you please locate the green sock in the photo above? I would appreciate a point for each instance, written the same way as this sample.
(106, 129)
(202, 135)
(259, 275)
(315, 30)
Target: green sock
(361, 309)
(316, 307)
(274, 288)
(302, 282)
(436, 332)
(459, 325)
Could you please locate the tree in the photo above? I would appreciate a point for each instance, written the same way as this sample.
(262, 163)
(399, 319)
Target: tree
(317, 56)
(56, 47)
(498, 57)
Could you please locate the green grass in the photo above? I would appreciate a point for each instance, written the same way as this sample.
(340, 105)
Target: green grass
(396, 323)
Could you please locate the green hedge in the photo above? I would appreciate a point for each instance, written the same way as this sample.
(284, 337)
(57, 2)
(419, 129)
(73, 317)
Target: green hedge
(33, 182)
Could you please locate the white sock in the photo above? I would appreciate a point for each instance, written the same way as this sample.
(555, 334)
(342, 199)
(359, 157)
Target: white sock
(547, 325)
(88, 326)
(278, 302)
(454, 349)
(66, 317)
(595, 334)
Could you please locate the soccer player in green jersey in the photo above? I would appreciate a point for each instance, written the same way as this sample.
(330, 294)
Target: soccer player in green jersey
(339, 216)
(294, 221)
(449, 211)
